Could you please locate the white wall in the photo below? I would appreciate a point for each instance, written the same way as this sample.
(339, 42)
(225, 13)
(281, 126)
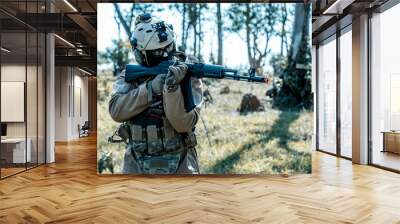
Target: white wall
(70, 83)
(33, 125)
(14, 72)
(17, 73)
(61, 103)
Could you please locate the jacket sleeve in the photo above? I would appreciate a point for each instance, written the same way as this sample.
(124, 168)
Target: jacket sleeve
(175, 112)
(127, 100)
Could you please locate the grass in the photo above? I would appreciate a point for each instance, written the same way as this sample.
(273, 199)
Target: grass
(268, 142)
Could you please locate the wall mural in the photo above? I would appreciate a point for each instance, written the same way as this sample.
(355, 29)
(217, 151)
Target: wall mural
(205, 88)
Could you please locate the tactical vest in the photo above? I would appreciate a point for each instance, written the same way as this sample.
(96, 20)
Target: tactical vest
(154, 142)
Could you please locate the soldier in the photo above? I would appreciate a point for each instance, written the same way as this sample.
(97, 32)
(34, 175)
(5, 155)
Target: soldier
(160, 131)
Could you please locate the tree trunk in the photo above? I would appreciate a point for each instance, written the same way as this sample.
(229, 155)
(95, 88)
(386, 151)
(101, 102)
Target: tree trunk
(186, 34)
(124, 23)
(295, 90)
(249, 54)
(220, 35)
(199, 33)
(193, 21)
(301, 20)
(195, 39)
(183, 41)
(119, 27)
(283, 29)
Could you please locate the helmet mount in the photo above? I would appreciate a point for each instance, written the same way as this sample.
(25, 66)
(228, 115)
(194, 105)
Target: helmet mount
(161, 31)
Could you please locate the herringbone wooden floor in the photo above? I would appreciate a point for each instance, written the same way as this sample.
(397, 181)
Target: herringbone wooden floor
(70, 191)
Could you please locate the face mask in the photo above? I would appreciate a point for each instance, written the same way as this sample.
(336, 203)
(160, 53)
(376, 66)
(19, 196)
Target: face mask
(155, 57)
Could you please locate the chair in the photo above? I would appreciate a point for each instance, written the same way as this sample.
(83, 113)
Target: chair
(84, 130)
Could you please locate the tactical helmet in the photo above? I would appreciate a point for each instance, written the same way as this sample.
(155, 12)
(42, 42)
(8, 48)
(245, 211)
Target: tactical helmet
(153, 41)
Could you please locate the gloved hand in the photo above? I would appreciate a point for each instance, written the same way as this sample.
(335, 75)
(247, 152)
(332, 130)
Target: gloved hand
(175, 75)
(157, 84)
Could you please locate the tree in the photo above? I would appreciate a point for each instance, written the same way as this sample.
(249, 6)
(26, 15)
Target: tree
(125, 20)
(126, 17)
(220, 35)
(294, 88)
(257, 21)
(283, 20)
(118, 56)
(184, 29)
(194, 24)
(182, 9)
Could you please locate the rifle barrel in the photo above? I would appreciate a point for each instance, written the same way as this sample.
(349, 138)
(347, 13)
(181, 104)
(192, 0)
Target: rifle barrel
(246, 78)
(232, 74)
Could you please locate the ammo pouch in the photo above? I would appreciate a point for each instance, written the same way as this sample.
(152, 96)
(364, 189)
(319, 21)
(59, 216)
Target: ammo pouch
(157, 137)
(123, 131)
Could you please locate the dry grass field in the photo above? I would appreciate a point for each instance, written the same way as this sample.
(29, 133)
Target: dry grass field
(267, 142)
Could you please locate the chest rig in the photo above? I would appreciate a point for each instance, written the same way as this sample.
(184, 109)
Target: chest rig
(151, 134)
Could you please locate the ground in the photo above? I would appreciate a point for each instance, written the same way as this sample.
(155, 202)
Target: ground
(267, 142)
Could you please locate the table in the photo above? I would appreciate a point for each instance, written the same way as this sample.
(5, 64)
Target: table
(391, 141)
(13, 150)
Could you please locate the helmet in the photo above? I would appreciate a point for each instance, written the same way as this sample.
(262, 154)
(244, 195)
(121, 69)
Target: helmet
(153, 41)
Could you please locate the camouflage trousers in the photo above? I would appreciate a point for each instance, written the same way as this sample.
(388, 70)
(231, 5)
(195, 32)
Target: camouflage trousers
(168, 163)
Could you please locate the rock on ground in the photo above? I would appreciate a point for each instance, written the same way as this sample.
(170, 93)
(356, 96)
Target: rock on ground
(250, 103)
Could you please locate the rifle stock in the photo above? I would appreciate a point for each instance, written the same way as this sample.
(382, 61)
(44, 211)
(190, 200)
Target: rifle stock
(197, 70)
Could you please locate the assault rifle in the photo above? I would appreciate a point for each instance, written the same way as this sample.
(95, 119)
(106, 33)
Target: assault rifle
(197, 70)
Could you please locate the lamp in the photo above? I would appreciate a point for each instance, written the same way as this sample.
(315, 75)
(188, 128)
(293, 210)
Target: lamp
(5, 50)
(64, 40)
(337, 7)
(84, 71)
(70, 5)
